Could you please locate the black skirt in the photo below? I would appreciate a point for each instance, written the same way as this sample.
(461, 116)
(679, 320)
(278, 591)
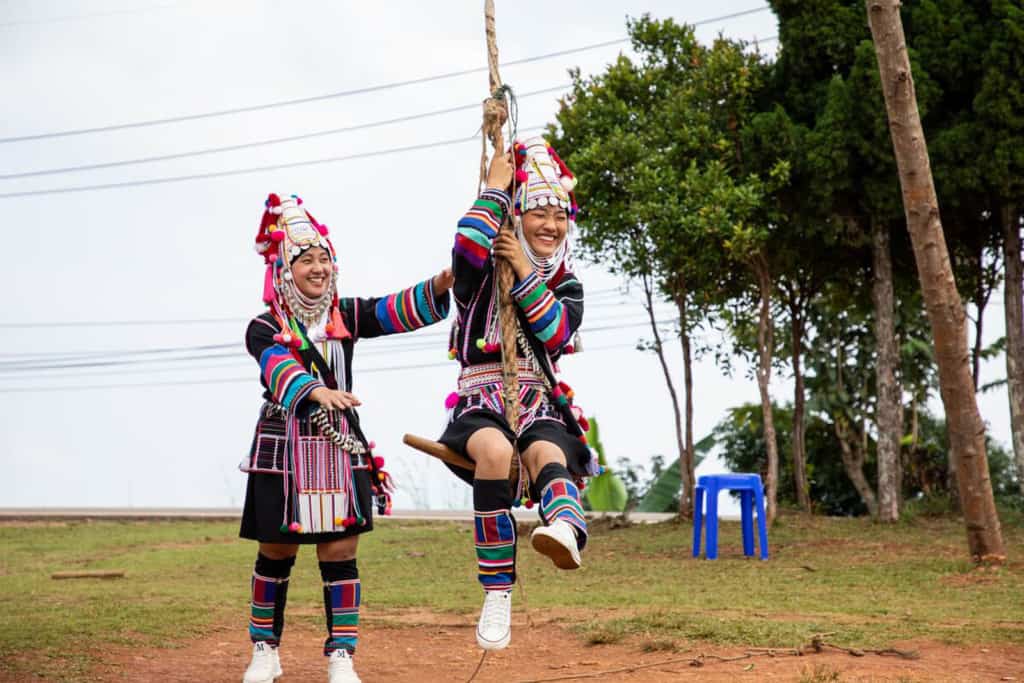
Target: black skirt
(264, 507)
(457, 434)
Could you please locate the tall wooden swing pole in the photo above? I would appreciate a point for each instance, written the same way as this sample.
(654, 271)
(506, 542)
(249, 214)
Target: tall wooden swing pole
(495, 115)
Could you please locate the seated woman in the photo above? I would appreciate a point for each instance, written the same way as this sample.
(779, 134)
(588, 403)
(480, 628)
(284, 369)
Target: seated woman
(312, 476)
(548, 438)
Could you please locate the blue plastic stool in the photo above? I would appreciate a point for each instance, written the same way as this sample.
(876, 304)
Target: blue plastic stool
(751, 494)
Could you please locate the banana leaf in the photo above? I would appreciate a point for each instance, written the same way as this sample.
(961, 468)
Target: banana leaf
(662, 494)
(605, 492)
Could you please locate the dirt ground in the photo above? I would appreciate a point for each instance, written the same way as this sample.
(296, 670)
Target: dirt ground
(422, 647)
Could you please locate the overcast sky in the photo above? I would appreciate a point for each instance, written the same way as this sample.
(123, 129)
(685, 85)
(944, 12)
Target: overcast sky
(183, 250)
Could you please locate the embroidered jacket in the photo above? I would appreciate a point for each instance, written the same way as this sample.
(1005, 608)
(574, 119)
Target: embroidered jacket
(289, 375)
(549, 313)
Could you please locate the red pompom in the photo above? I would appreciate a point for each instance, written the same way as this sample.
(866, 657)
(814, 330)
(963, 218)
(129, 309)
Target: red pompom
(273, 200)
(378, 462)
(277, 235)
(371, 445)
(522, 176)
(294, 527)
(451, 400)
(528, 504)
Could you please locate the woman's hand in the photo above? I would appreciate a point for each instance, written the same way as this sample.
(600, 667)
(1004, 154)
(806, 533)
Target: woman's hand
(499, 176)
(506, 246)
(443, 281)
(333, 399)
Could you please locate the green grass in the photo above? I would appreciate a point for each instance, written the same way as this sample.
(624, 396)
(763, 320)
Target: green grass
(870, 584)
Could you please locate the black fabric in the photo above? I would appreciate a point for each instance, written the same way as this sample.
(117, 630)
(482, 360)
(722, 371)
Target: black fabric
(345, 570)
(547, 474)
(457, 433)
(491, 494)
(274, 569)
(264, 504)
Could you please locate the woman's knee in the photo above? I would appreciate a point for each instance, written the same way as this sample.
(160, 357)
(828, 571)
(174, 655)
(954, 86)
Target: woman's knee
(337, 551)
(279, 551)
(489, 446)
(541, 453)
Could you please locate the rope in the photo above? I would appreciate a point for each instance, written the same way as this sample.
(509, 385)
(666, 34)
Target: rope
(479, 665)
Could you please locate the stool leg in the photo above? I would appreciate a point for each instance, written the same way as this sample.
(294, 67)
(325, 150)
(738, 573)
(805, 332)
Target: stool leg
(747, 516)
(711, 524)
(762, 523)
(698, 514)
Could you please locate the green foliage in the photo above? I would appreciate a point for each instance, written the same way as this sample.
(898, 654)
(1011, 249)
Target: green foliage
(606, 492)
(662, 493)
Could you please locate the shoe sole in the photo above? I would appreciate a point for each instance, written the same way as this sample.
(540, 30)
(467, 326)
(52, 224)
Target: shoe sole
(494, 645)
(559, 554)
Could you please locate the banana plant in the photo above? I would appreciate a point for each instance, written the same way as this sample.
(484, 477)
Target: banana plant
(605, 492)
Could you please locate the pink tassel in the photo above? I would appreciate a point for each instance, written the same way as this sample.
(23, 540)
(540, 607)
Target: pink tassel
(451, 400)
(268, 285)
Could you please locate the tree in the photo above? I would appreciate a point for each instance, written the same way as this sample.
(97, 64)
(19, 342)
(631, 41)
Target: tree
(942, 300)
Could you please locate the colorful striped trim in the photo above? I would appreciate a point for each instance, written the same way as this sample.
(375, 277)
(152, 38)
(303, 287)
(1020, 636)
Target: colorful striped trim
(544, 312)
(495, 538)
(285, 377)
(410, 309)
(477, 229)
(342, 600)
(265, 591)
(561, 500)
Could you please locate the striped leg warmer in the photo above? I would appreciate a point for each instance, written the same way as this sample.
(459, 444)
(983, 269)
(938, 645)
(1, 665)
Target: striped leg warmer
(341, 604)
(269, 594)
(494, 534)
(560, 499)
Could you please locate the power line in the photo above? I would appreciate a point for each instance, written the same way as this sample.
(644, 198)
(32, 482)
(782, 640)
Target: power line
(235, 380)
(246, 171)
(349, 93)
(203, 321)
(416, 345)
(269, 141)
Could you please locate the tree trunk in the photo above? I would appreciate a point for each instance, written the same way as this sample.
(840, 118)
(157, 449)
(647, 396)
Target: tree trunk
(689, 480)
(852, 453)
(1013, 303)
(945, 311)
(765, 346)
(888, 410)
(803, 496)
(980, 301)
(685, 484)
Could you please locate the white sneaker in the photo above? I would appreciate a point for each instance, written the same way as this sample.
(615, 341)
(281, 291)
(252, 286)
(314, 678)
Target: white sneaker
(558, 541)
(494, 629)
(265, 665)
(339, 668)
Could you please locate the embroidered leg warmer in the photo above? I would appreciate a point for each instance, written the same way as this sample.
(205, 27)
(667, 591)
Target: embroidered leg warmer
(341, 604)
(560, 499)
(494, 534)
(269, 594)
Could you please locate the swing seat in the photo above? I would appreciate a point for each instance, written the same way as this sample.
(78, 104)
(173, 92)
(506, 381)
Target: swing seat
(751, 496)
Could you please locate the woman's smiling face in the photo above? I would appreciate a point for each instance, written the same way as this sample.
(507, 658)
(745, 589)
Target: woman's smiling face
(544, 229)
(311, 272)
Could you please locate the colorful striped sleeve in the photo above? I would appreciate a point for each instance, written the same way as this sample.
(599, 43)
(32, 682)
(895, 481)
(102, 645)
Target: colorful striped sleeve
(477, 229)
(554, 316)
(404, 311)
(282, 374)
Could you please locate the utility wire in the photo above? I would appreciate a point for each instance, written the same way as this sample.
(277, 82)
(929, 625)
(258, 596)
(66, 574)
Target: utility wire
(349, 93)
(63, 365)
(234, 380)
(269, 141)
(252, 169)
(203, 321)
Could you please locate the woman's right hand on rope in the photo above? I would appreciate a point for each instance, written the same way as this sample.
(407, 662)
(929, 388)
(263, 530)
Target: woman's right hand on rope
(499, 175)
(334, 398)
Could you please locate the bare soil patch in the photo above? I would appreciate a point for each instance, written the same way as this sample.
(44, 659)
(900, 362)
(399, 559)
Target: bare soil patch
(419, 646)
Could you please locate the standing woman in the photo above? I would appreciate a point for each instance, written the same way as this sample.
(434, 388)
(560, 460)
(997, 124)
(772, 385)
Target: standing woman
(549, 436)
(312, 478)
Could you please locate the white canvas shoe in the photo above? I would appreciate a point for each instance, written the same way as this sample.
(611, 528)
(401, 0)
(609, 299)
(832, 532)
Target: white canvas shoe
(265, 665)
(340, 669)
(494, 629)
(558, 541)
